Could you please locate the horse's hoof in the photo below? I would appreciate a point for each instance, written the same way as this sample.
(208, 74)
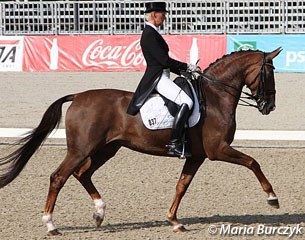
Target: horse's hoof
(54, 232)
(273, 202)
(98, 219)
(180, 228)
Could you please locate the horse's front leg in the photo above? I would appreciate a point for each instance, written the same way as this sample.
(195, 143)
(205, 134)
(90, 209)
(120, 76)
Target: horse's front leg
(190, 168)
(228, 154)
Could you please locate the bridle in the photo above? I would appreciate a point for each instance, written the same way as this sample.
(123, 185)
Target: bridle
(259, 97)
(262, 93)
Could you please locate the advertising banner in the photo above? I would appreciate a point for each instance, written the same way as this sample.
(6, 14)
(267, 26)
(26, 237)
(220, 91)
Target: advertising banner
(113, 53)
(291, 59)
(11, 53)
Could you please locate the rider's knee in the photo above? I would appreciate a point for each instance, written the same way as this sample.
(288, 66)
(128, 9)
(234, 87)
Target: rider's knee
(189, 103)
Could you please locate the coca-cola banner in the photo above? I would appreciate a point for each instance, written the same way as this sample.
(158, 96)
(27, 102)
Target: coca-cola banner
(11, 50)
(113, 53)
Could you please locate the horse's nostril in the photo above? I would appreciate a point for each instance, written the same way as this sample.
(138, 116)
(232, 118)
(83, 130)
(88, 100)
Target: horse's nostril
(271, 107)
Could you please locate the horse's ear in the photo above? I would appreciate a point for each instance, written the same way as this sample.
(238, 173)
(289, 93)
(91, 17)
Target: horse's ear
(274, 53)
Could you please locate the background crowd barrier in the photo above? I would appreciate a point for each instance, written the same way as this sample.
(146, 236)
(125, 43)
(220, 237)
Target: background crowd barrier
(126, 17)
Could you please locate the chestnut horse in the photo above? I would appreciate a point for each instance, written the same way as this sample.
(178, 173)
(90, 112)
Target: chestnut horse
(97, 126)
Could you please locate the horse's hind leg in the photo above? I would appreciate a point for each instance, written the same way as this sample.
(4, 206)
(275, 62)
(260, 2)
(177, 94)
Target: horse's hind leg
(231, 155)
(57, 180)
(190, 168)
(84, 174)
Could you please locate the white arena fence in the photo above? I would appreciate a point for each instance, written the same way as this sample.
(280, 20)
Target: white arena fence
(126, 17)
(271, 135)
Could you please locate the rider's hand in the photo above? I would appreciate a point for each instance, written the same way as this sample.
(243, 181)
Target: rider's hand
(193, 68)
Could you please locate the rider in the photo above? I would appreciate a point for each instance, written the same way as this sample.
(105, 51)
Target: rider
(157, 75)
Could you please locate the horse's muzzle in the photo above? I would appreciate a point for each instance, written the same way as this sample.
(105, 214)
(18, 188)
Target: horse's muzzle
(269, 109)
(266, 104)
(265, 108)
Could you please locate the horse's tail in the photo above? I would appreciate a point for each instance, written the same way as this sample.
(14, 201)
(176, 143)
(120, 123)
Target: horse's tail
(30, 143)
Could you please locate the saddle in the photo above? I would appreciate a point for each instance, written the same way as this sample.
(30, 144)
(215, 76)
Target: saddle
(158, 112)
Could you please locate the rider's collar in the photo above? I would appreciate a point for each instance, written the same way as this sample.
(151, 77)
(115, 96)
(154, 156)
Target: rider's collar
(152, 25)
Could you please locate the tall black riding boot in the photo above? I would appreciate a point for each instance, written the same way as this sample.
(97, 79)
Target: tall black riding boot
(176, 146)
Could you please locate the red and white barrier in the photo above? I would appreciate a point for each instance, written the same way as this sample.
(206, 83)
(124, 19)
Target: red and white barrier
(111, 53)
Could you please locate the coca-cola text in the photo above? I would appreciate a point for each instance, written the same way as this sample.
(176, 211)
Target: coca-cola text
(98, 54)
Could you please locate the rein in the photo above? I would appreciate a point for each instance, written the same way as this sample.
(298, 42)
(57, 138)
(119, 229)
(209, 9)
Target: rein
(248, 95)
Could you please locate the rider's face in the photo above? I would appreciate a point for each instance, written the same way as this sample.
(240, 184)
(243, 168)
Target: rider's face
(159, 18)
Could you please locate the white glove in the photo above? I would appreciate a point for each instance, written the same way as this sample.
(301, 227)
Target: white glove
(193, 68)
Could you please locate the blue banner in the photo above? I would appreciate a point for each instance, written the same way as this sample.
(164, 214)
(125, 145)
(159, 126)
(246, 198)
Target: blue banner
(291, 59)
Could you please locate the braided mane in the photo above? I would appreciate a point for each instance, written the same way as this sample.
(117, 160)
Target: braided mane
(232, 54)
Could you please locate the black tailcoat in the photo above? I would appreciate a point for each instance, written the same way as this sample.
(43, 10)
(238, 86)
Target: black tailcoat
(155, 51)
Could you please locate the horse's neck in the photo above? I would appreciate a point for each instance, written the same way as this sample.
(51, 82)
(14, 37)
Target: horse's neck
(229, 68)
(227, 78)
(224, 87)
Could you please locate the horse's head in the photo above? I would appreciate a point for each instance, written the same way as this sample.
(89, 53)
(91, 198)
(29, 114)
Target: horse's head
(260, 81)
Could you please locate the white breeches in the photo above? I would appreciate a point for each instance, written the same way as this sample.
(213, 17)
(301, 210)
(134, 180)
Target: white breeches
(172, 91)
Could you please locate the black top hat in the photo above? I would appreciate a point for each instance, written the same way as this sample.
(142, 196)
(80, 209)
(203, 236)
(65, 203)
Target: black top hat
(155, 6)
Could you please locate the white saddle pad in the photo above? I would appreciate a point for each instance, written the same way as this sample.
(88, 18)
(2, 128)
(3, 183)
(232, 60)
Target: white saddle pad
(155, 114)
